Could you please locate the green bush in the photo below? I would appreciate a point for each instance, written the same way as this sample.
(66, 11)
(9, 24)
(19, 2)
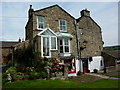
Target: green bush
(30, 69)
(33, 75)
(19, 76)
(43, 74)
(12, 71)
(26, 77)
(4, 78)
(39, 66)
(79, 73)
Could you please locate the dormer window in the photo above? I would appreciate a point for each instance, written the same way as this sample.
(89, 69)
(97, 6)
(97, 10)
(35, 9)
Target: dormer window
(40, 22)
(63, 25)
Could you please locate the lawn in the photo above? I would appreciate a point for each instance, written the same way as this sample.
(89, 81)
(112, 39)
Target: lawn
(101, 83)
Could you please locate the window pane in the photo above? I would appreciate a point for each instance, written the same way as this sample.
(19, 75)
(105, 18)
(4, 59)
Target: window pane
(61, 49)
(63, 22)
(63, 25)
(61, 43)
(40, 25)
(66, 41)
(66, 48)
(40, 22)
(53, 43)
(45, 46)
(40, 19)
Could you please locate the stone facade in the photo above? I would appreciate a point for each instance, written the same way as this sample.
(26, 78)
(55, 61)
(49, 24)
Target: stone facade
(90, 40)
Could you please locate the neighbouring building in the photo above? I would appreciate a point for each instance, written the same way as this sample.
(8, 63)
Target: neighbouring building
(53, 32)
(6, 48)
(111, 60)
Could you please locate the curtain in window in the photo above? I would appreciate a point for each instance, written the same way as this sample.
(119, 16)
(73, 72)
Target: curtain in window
(46, 46)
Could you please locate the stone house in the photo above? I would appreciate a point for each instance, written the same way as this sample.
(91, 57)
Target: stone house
(53, 32)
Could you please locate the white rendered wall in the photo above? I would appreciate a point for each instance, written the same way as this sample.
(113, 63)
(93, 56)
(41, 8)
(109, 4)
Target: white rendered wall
(77, 65)
(72, 74)
(95, 63)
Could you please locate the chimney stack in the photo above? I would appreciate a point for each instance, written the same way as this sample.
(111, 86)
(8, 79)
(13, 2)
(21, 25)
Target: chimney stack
(85, 12)
(30, 11)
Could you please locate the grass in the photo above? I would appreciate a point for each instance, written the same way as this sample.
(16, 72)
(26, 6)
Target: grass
(111, 74)
(118, 76)
(103, 83)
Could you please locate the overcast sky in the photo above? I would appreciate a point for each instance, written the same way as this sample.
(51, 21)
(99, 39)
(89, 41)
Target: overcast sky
(14, 16)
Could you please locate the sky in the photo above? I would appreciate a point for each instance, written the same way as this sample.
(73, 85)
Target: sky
(14, 16)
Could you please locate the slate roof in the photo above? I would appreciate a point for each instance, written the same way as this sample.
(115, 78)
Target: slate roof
(7, 44)
(113, 53)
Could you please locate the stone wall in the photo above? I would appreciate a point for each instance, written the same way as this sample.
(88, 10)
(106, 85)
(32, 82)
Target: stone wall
(52, 16)
(90, 41)
(91, 37)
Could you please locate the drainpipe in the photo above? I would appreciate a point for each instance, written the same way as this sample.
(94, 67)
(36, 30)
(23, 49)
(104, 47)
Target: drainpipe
(78, 43)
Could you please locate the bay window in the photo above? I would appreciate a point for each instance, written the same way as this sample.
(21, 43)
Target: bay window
(49, 43)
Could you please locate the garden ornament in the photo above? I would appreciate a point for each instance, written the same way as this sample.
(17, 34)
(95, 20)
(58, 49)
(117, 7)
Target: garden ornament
(9, 78)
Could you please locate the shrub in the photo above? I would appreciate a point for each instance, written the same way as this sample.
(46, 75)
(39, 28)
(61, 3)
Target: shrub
(12, 71)
(39, 66)
(26, 77)
(43, 74)
(4, 77)
(79, 73)
(95, 70)
(30, 69)
(33, 75)
(19, 76)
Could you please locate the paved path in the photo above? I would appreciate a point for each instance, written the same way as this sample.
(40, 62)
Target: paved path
(101, 76)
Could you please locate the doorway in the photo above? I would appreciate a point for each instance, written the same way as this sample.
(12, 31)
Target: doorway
(85, 65)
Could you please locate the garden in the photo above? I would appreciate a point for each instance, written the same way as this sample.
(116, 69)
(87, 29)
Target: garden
(40, 70)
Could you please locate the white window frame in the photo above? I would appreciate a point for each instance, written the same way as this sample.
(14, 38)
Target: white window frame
(49, 44)
(40, 22)
(63, 25)
(65, 45)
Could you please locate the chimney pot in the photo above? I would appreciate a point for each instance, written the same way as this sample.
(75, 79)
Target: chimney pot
(85, 12)
(30, 6)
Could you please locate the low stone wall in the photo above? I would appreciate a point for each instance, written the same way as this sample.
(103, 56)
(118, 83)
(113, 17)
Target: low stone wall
(110, 69)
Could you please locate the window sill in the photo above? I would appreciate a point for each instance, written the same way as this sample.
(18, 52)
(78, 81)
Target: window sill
(41, 29)
(63, 31)
(53, 49)
(65, 54)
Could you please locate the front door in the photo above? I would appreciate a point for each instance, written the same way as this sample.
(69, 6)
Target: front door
(85, 66)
